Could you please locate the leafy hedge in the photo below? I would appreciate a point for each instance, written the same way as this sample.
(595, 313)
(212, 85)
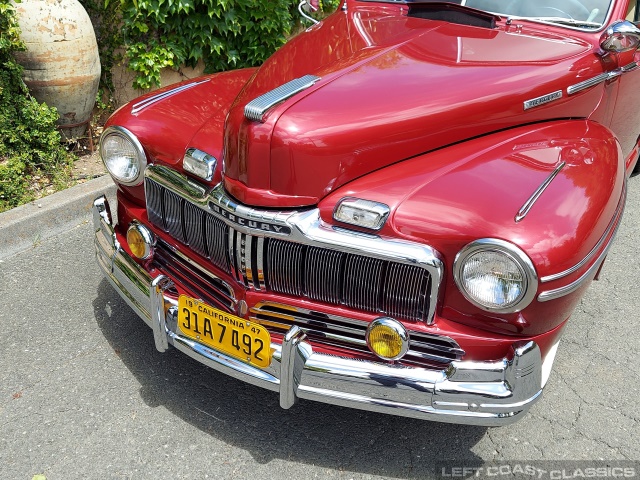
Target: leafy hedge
(30, 151)
(224, 34)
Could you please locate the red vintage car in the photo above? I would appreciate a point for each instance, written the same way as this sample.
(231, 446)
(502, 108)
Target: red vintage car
(397, 212)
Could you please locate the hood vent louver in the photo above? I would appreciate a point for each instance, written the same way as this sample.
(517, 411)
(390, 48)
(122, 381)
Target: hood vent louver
(256, 108)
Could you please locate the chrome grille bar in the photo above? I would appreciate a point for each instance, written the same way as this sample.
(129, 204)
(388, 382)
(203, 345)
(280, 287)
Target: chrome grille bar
(194, 228)
(240, 258)
(233, 266)
(283, 273)
(173, 215)
(259, 281)
(425, 349)
(405, 291)
(216, 233)
(365, 274)
(155, 200)
(246, 255)
(323, 274)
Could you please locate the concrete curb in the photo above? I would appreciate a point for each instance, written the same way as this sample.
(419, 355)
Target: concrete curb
(23, 227)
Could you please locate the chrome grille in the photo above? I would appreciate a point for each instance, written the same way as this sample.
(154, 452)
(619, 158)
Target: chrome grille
(323, 274)
(286, 267)
(283, 267)
(406, 293)
(173, 212)
(365, 274)
(201, 283)
(194, 228)
(216, 241)
(424, 349)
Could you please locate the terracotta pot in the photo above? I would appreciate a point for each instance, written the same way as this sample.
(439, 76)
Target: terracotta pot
(61, 63)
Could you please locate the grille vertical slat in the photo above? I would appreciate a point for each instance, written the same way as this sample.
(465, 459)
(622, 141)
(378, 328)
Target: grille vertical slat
(155, 199)
(240, 239)
(217, 241)
(283, 261)
(173, 208)
(363, 274)
(259, 265)
(194, 227)
(323, 275)
(231, 245)
(248, 261)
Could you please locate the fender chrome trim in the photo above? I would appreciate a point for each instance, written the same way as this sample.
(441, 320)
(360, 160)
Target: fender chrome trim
(534, 198)
(613, 224)
(573, 286)
(603, 77)
(538, 101)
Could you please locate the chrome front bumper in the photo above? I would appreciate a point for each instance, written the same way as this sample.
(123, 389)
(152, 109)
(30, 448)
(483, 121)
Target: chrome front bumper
(477, 393)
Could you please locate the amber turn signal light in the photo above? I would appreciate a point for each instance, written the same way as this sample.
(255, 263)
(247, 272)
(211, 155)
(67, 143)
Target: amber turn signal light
(141, 241)
(387, 338)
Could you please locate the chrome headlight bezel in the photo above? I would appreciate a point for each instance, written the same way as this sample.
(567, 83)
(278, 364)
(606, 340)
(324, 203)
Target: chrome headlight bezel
(122, 132)
(378, 210)
(513, 253)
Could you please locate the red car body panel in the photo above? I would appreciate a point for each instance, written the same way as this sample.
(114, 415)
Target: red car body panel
(408, 96)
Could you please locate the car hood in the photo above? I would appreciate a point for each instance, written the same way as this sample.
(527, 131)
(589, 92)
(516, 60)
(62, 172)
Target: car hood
(390, 88)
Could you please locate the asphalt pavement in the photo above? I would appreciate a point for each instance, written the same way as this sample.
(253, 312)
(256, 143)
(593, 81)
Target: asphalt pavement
(84, 394)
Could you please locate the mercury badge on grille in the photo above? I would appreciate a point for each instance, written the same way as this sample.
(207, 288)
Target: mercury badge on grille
(256, 224)
(222, 206)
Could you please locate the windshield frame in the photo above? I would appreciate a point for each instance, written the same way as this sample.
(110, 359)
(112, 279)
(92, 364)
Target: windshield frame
(605, 23)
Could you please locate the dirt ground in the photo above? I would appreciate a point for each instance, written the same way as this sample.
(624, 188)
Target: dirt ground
(87, 167)
(88, 164)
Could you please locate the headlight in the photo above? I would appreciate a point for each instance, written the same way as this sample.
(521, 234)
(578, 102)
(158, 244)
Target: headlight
(495, 275)
(123, 155)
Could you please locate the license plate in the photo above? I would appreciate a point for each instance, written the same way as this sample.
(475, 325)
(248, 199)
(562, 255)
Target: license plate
(224, 332)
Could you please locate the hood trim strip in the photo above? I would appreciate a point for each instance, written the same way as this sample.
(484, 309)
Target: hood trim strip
(138, 107)
(528, 205)
(256, 108)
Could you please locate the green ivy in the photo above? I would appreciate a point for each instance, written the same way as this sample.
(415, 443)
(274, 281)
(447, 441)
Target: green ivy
(224, 34)
(329, 6)
(30, 149)
(107, 24)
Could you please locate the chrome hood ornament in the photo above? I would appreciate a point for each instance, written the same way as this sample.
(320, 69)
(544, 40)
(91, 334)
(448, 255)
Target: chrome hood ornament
(256, 108)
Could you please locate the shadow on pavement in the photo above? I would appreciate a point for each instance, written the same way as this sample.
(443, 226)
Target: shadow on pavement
(251, 419)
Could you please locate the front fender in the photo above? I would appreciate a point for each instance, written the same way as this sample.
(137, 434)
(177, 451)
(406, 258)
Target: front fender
(475, 189)
(188, 117)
